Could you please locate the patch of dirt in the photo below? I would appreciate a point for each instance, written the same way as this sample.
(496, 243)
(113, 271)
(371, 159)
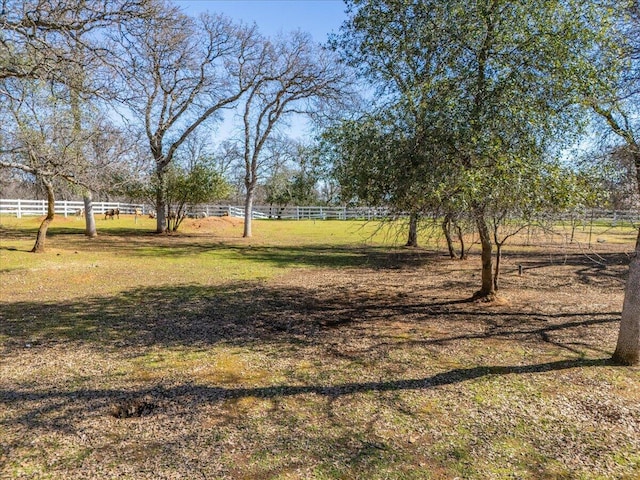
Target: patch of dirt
(212, 223)
(132, 408)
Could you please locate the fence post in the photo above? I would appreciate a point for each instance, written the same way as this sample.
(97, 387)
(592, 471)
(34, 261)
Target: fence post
(64, 206)
(19, 213)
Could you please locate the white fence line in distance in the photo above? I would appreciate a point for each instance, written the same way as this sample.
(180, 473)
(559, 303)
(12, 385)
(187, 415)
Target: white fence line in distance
(19, 208)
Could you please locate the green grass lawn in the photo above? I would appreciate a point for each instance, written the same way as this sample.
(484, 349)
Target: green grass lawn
(321, 350)
(128, 254)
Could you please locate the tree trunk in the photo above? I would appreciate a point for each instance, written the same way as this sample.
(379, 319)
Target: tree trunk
(628, 346)
(75, 86)
(42, 231)
(446, 229)
(413, 230)
(171, 218)
(574, 223)
(497, 269)
(90, 220)
(487, 290)
(463, 251)
(161, 208)
(248, 209)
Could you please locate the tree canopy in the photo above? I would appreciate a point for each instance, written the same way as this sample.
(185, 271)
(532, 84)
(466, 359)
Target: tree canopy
(480, 91)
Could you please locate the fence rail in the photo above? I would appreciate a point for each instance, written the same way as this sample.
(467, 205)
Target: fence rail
(293, 212)
(19, 208)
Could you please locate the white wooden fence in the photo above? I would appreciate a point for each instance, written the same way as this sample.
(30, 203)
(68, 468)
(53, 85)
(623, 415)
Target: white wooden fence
(21, 208)
(296, 212)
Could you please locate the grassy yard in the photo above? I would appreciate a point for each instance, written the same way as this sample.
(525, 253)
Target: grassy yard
(322, 350)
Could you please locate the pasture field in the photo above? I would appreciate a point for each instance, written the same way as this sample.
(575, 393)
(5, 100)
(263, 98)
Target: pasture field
(320, 350)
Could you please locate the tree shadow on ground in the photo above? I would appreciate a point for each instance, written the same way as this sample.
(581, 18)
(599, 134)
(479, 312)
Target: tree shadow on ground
(534, 260)
(193, 395)
(329, 256)
(245, 313)
(588, 268)
(317, 255)
(343, 322)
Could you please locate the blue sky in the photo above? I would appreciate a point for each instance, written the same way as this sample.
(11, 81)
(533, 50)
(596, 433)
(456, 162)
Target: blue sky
(317, 17)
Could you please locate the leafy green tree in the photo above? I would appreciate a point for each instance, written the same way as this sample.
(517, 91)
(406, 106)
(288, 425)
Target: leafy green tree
(618, 180)
(378, 163)
(291, 187)
(494, 84)
(542, 190)
(278, 189)
(296, 173)
(184, 188)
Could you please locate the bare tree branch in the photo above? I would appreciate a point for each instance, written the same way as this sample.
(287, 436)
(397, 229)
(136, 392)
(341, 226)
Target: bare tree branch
(177, 73)
(298, 78)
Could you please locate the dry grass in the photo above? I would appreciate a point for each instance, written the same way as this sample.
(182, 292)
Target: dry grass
(207, 356)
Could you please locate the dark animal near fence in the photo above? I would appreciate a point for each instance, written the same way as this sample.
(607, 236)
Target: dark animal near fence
(112, 212)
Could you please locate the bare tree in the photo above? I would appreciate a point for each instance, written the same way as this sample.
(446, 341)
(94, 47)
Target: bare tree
(54, 45)
(298, 78)
(35, 34)
(177, 73)
(48, 135)
(39, 139)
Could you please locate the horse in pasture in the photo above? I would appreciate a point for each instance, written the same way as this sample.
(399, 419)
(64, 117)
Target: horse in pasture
(112, 212)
